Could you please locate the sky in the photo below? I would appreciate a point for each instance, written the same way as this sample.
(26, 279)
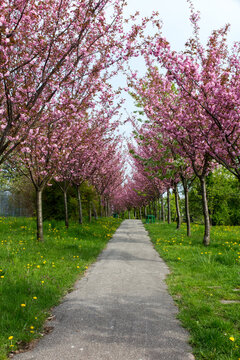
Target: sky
(175, 17)
(177, 28)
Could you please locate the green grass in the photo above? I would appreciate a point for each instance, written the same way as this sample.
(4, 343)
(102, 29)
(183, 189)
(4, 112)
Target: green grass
(34, 276)
(200, 278)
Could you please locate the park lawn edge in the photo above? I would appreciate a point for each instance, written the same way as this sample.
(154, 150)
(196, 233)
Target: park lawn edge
(91, 245)
(200, 278)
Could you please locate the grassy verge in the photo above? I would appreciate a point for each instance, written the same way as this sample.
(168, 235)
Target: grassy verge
(201, 280)
(34, 276)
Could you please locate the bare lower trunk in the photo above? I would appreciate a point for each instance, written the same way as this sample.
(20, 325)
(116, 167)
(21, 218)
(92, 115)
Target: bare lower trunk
(206, 239)
(66, 208)
(155, 208)
(100, 206)
(39, 215)
(159, 210)
(94, 211)
(162, 208)
(129, 214)
(90, 211)
(135, 214)
(187, 213)
(169, 207)
(145, 211)
(80, 217)
(140, 213)
(177, 207)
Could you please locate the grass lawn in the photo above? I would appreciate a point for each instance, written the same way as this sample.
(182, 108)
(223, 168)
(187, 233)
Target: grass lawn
(34, 276)
(201, 280)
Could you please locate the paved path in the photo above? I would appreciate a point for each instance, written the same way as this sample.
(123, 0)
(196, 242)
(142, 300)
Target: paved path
(121, 310)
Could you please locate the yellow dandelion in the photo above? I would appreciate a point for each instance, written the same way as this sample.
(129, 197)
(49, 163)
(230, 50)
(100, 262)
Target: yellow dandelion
(23, 305)
(34, 297)
(231, 338)
(10, 337)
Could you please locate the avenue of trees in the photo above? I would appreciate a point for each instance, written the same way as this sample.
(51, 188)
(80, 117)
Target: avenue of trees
(58, 112)
(191, 102)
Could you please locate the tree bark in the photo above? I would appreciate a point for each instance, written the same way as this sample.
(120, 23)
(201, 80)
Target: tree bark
(169, 207)
(80, 217)
(206, 238)
(177, 207)
(129, 214)
(162, 208)
(94, 210)
(66, 209)
(39, 215)
(90, 211)
(187, 212)
(100, 206)
(140, 213)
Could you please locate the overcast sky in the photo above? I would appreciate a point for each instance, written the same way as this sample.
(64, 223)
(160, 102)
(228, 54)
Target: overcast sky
(175, 17)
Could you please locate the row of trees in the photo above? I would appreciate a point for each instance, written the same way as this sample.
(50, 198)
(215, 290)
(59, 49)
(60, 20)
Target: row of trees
(192, 103)
(57, 108)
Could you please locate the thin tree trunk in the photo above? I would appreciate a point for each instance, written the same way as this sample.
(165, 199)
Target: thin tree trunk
(94, 210)
(140, 213)
(145, 211)
(162, 208)
(80, 217)
(177, 207)
(159, 209)
(155, 208)
(66, 208)
(129, 214)
(187, 212)
(206, 239)
(169, 207)
(100, 206)
(39, 215)
(90, 211)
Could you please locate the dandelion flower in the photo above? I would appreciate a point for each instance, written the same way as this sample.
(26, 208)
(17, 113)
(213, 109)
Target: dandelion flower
(231, 338)
(10, 338)
(23, 305)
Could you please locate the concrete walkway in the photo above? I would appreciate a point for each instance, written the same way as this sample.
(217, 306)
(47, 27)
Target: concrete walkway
(121, 310)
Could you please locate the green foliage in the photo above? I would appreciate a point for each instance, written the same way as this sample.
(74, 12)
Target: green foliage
(200, 280)
(223, 193)
(53, 202)
(34, 276)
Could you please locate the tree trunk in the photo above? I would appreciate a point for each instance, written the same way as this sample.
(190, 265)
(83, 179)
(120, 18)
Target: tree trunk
(135, 214)
(94, 210)
(140, 213)
(129, 214)
(80, 217)
(187, 212)
(145, 211)
(159, 209)
(177, 207)
(66, 208)
(155, 208)
(90, 211)
(169, 207)
(206, 239)
(39, 215)
(100, 206)
(162, 208)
